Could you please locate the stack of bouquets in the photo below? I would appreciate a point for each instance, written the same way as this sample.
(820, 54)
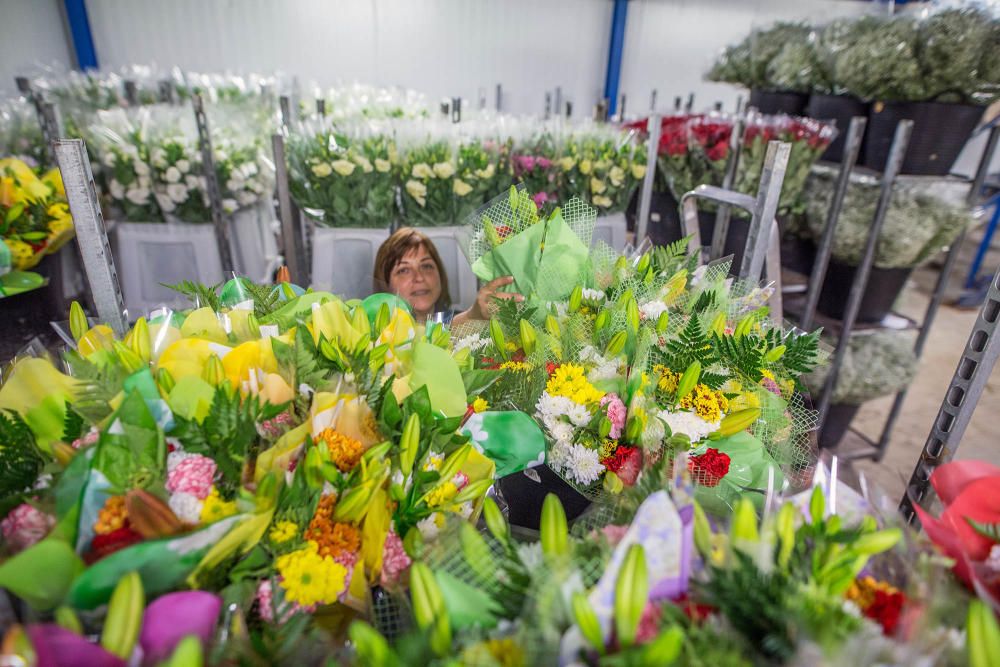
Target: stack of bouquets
(20, 134)
(602, 168)
(343, 176)
(272, 445)
(536, 164)
(34, 215)
(431, 189)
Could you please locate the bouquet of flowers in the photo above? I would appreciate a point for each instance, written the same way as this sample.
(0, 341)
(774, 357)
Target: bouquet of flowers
(601, 169)
(34, 215)
(427, 172)
(344, 178)
(535, 165)
(481, 172)
(120, 144)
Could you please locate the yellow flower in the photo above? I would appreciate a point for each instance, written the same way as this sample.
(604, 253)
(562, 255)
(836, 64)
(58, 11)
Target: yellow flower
(434, 462)
(602, 201)
(706, 403)
(570, 380)
(515, 366)
(461, 188)
(382, 166)
(597, 186)
(480, 405)
(215, 508)
(617, 176)
(442, 494)
(283, 531)
(567, 163)
(343, 167)
(344, 452)
(586, 167)
(862, 591)
(500, 652)
(486, 173)
(601, 165)
(364, 163)
(418, 191)
(668, 379)
(322, 170)
(444, 170)
(638, 171)
(422, 170)
(310, 579)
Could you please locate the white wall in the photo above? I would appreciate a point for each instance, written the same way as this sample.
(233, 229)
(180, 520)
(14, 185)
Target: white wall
(440, 47)
(31, 34)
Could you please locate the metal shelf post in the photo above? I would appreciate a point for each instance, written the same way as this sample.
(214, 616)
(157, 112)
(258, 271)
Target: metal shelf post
(212, 184)
(646, 194)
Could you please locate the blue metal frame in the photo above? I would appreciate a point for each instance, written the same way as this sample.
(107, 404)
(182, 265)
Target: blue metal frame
(83, 39)
(616, 48)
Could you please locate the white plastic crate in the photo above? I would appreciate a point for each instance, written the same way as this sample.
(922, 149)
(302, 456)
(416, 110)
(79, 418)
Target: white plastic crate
(148, 254)
(343, 259)
(612, 229)
(462, 283)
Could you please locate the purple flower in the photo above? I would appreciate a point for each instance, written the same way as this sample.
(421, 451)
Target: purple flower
(174, 616)
(543, 162)
(526, 162)
(540, 198)
(56, 646)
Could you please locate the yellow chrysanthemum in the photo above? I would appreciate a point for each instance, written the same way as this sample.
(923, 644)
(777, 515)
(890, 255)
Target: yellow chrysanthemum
(215, 508)
(310, 579)
(344, 452)
(668, 379)
(442, 494)
(515, 366)
(480, 405)
(283, 531)
(707, 403)
(570, 380)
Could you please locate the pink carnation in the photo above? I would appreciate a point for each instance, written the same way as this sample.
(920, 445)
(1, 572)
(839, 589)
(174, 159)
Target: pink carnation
(614, 534)
(265, 604)
(25, 525)
(540, 198)
(192, 475)
(394, 560)
(348, 559)
(616, 413)
(86, 440)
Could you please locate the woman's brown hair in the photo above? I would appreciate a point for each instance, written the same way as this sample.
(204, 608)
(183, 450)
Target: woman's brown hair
(394, 248)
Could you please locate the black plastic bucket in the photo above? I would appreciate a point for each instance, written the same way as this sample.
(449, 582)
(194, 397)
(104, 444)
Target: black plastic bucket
(778, 101)
(940, 131)
(884, 286)
(840, 109)
(525, 496)
(838, 420)
(798, 254)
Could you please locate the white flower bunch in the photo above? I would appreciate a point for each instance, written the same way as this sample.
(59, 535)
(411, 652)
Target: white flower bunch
(689, 423)
(178, 185)
(245, 175)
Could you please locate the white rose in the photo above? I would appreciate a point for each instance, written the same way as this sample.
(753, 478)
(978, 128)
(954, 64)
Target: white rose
(418, 191)
(233, 186)
(117, 189)
(422, 170)
(192, 181)
(145, 182)
(638, 171)
(172, 175)
(166, 205)
(141, 168)
(461, 188)
(246, 198)
(322, 170)
(444, 170)
(229, 205)
(602, 201)
(617, 176)
(138, 196)
(184, 166)
(382, 166)
(363, 162)
(177, 192)
(343, 167)
(487, 172)
(109, 159)
(597, 186)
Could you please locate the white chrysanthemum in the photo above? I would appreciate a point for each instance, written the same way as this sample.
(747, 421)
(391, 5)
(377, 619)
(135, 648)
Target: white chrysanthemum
(140, 168)
(165, 203)
(177, 192)
(550, 407)
(584, 465)
(689, 424)
(117, 189)
(186, 506)
(138, 196)
(531, 555)
(578, 414)
(652, 310)
(473, 342)
(429, 527)
(561, 432)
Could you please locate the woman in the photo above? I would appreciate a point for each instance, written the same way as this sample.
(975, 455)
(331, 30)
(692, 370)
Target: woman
(408, 265)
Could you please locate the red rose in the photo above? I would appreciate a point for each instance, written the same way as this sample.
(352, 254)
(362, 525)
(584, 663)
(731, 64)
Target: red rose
(709, 468)
(718, 152)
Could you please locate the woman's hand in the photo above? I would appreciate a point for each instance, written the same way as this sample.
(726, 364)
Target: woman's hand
(485, 305)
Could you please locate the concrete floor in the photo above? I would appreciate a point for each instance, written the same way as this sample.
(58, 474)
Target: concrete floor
(947, 340)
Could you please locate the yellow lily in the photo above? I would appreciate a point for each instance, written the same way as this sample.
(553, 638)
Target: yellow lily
(204, 323)
(188, 356)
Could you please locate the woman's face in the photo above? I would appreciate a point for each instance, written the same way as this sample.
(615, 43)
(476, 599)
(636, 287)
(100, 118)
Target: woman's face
(416, 280)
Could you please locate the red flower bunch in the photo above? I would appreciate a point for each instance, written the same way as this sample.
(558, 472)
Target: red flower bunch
(711, 135)
(709, 468)
(550, 367)
(625, 462)
(885, 609)
(108, 543)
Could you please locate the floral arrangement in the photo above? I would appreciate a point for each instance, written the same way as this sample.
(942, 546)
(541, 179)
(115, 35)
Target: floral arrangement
(535, 165)
(602, 170)
(34, 215)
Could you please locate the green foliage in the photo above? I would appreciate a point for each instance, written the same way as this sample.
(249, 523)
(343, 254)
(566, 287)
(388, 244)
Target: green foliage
(690, 345)
(668, 259)
(801, 350)
(744, 354)
(73, 425)
(228, 434)
(20, 459)
(97, 385)
(199, 294)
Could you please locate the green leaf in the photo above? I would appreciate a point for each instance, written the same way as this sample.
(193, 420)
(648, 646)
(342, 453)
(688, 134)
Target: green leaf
(990, 531)
(42, 574)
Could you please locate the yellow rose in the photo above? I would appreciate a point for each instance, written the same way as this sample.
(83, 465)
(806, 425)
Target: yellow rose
(617, 176)
(597, 186)
(567, 163)
(487, 172)
(422, 170)
(585, 167)
(418, 191)
(382, 166)
(638, 171)
(322, 170)
(461, 188)
(602, 164)
(363, 162)
(343, 167)
(444, 170)
(602, 201)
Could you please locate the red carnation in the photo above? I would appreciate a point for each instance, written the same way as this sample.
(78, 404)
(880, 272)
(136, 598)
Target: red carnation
(886, 609)
(109, 543)
(626, 462)
(696, 611)
(709, 468)
(550, 367)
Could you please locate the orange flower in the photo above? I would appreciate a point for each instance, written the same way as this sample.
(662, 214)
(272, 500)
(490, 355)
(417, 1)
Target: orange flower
(345, 452)
(112, 516)
(332, 538)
